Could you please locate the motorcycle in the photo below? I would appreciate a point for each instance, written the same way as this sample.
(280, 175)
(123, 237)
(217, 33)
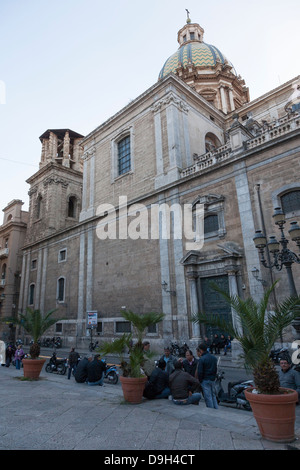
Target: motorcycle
(235, 394)
(93, 345)
(58, 366)
(178, 351)
(280, 353)
(111, 373)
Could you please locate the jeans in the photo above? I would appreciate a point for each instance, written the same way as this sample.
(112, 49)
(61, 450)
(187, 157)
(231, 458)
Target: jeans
(164, 394)
(192, 399)
(99, 382)
(209, 393)
(18, 364)
(70, 370)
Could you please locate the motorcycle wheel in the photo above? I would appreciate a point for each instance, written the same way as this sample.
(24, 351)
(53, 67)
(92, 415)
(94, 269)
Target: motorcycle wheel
(61, 369)
(113, 377)
(48, 368)
(247, 407)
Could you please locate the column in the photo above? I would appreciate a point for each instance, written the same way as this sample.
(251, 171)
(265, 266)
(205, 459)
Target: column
(192, 278)
(233, 290)
(66, 150)
(158, 144)
(44, 279)
(231, 100)
(80, 301)
(248, 228)
(223, 99)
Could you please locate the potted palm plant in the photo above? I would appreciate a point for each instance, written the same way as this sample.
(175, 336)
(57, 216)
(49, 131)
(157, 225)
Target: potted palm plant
(35, 324)
(133, 379)
(256, 330)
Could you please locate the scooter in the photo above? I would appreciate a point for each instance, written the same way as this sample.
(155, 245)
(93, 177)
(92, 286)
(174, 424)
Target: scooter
(235, 394)
(280, 353)
(111, 373)
(58, 366)
(178, 351)
(93, 345)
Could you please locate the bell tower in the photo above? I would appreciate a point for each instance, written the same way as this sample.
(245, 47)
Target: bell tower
(55, 192)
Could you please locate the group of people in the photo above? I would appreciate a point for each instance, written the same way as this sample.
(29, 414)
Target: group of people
(14, 355)
(217, 343)
(88, 370)
(185, 380)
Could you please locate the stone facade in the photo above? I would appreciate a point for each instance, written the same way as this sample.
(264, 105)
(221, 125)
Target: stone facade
(12, 237)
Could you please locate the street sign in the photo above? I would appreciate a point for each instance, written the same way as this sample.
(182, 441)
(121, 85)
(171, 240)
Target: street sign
(92, 318)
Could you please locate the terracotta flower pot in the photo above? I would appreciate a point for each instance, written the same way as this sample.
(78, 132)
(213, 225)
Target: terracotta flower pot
(32, 367)
(133, 388)
(275, 414)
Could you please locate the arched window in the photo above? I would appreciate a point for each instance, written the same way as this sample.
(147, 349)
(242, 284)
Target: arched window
(61, 289)
(290, 202)
(31, 294)
(72, 207)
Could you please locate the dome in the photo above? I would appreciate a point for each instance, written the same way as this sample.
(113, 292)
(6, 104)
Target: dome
(206, 70)
(197, 53)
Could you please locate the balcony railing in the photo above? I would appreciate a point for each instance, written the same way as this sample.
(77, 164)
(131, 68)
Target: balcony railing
(4, 252)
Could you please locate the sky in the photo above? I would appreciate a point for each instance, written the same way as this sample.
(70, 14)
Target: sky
(75, 63)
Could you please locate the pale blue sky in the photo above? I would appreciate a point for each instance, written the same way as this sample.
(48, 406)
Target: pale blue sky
(74, 63)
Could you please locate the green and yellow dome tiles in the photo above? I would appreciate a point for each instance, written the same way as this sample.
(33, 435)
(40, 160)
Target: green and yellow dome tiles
(198, 53)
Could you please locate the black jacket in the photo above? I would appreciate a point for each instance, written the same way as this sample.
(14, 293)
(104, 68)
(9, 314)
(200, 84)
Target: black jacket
(81, 371)
(160, 379)
(95, 370)
(207, 367)
(190, 368)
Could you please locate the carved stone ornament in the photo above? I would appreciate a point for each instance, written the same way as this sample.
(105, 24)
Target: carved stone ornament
(89, 153)
(171, 98)
(56, 180)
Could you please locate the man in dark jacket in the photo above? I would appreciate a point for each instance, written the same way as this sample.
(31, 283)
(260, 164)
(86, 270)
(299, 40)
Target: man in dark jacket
(95, 371)
(81, 373)
(181, 383)
(73, 361)
(207, 371)
(158, 384)
(190, 363)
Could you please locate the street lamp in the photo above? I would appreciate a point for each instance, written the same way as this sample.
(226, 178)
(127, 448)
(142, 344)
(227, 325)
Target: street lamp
(281, 257)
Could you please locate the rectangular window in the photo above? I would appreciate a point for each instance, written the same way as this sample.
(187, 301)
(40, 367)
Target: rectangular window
(192, 36)
(33, 264)
(152, 329)
(123, 327)
(61, 289)
(124, 156)
(99, 327)
(31, 294)
(62, 255)
(58, 328)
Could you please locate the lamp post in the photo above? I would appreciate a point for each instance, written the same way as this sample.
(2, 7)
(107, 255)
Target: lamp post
(281, 257)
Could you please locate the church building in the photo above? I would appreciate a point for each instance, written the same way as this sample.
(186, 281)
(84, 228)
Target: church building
(162, 200)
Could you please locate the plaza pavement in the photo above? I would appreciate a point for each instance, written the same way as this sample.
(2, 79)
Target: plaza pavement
(55, 413)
